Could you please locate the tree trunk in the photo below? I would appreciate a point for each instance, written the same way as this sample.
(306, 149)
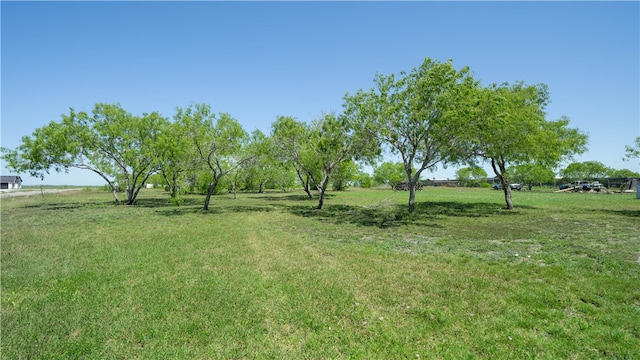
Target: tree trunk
(307, 188)
(305, 184)
(321, 190)
(171, 184)
(130, 195)
(233, 187)
(412, 185)
(499, 169)
(412, 196)
(115, 196)
(135, 194)
(111, 186)
(507, 194)
(210, 190)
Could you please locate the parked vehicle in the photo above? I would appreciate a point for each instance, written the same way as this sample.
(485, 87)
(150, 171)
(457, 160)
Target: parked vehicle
(585, 185)
(582, 185)
(498, 186)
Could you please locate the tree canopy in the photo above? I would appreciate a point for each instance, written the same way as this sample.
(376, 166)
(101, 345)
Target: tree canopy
(389, 173)
(410, 114)
(587, 170)
(434, 115)
(119, 147)
(632, 151)
(471, 176)
(217, 141)
(532, 173)
(507, 126)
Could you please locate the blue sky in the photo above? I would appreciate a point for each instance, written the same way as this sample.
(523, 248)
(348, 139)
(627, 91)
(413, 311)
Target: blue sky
(258, 60)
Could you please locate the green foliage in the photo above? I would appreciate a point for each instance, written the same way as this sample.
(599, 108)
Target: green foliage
(317, 151)
(623, 173)
(410, 113)
(290, 148)
(531, 174)
(119, 147)
(389, 173)
(632, 151)
(588, 170)
(344, 175)
(177, 157)
(471, 176)
(363, 180)
(506, 125)
(264, 170)
(218, 141)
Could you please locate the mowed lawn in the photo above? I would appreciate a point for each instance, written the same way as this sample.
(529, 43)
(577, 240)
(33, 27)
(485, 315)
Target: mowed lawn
(265, 276)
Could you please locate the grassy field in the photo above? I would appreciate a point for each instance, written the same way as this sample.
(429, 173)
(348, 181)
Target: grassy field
(266, 276)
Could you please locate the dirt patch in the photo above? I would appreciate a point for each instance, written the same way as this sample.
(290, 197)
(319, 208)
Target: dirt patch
(8, 194)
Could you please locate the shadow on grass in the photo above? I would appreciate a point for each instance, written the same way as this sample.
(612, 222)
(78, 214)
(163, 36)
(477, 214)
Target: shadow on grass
(57, 206)
(454, 208)
(394, 215)
(213, 210)
(291, 197)
(71, 206)
(166, 201)
(629, 213)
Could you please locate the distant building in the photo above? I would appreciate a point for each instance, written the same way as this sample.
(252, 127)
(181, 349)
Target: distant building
(631, 184)
(10, 182)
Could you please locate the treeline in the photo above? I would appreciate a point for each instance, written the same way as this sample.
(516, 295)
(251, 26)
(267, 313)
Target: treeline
(535, 174)
(434, 115)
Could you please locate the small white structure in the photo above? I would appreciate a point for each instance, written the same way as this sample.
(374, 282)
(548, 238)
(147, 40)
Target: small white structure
(10, 182)
(149, 186)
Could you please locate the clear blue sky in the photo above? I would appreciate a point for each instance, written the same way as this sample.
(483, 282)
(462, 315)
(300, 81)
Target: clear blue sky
(258, 60)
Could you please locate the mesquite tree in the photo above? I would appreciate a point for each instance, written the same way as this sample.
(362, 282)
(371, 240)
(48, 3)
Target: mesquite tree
(506, 125)
(290, 138)
(410, 114)
(317, 150)
(119, 147)
(218, 142)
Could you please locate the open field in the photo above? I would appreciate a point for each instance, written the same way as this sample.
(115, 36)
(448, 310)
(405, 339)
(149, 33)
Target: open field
(266, 276)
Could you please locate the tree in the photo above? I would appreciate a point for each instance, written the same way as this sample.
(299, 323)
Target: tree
(264, 166)
(410, 114)
(363, 180)
(343, 175)
(177, 156)
(632, 151)
(332, 143)
(587, 170)
(623, 173)
(218, 142)
(119, 147)
(530, 174)
(506, 125)
(389, 173)
(318, 150)
(471, 176)
(290, 140)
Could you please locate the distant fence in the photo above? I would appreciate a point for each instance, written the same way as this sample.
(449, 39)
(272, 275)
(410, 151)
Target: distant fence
(442, 182)
(404, 186)
(609, 183)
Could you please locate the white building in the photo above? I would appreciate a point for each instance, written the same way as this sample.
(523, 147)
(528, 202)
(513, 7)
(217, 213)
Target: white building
(10, 182)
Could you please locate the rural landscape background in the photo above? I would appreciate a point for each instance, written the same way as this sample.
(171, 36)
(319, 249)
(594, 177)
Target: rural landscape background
(322, 180)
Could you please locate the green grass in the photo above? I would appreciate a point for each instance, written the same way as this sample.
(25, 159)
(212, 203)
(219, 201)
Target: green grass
(268, 277)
